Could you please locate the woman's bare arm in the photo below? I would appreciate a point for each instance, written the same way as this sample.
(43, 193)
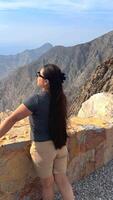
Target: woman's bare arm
(21, 112)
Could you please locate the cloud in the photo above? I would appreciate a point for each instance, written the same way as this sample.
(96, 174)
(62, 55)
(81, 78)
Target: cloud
(14, 5)
(58, 5)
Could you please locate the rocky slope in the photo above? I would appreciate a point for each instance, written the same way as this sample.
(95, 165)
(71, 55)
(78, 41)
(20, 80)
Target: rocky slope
(101, 80)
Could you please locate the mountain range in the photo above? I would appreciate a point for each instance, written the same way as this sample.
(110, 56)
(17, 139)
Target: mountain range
(78, 62)
(8, 63)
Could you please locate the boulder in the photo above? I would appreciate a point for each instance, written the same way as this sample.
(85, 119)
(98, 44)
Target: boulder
(99, 105)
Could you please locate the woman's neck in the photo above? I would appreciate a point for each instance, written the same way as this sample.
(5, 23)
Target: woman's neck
(45, 90)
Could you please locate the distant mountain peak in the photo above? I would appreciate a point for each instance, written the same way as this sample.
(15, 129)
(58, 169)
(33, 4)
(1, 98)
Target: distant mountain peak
(45, 45)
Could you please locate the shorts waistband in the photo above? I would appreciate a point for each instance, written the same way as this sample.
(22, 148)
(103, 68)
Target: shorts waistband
(47, 141)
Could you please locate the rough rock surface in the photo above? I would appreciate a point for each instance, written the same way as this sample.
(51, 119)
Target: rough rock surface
(99, 105)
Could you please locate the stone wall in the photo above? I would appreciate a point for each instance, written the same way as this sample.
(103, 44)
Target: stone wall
(90, 146)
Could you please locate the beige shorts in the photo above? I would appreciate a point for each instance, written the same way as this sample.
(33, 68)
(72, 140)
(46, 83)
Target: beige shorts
(47, 160)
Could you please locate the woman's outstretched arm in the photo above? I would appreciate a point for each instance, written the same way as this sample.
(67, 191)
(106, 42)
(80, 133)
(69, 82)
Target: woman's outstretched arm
(21, 112)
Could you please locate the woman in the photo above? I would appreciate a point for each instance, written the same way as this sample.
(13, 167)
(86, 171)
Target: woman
(47, 113)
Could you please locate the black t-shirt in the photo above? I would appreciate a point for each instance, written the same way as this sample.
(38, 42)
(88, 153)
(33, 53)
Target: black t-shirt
(38, 104)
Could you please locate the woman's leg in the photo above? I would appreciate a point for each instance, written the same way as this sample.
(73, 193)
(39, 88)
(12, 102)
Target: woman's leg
(64, 186)
(43, 154)
(47, 188)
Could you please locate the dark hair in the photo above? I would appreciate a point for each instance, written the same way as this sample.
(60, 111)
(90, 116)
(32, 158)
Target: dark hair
(58, 105)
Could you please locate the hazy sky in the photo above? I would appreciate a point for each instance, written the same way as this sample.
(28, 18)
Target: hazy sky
(26, 24)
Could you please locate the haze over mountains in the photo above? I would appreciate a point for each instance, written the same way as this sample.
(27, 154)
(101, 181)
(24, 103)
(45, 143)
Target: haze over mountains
(78, 62)
(11, 62)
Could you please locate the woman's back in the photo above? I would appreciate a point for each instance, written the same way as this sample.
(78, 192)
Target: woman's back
(38, 104)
